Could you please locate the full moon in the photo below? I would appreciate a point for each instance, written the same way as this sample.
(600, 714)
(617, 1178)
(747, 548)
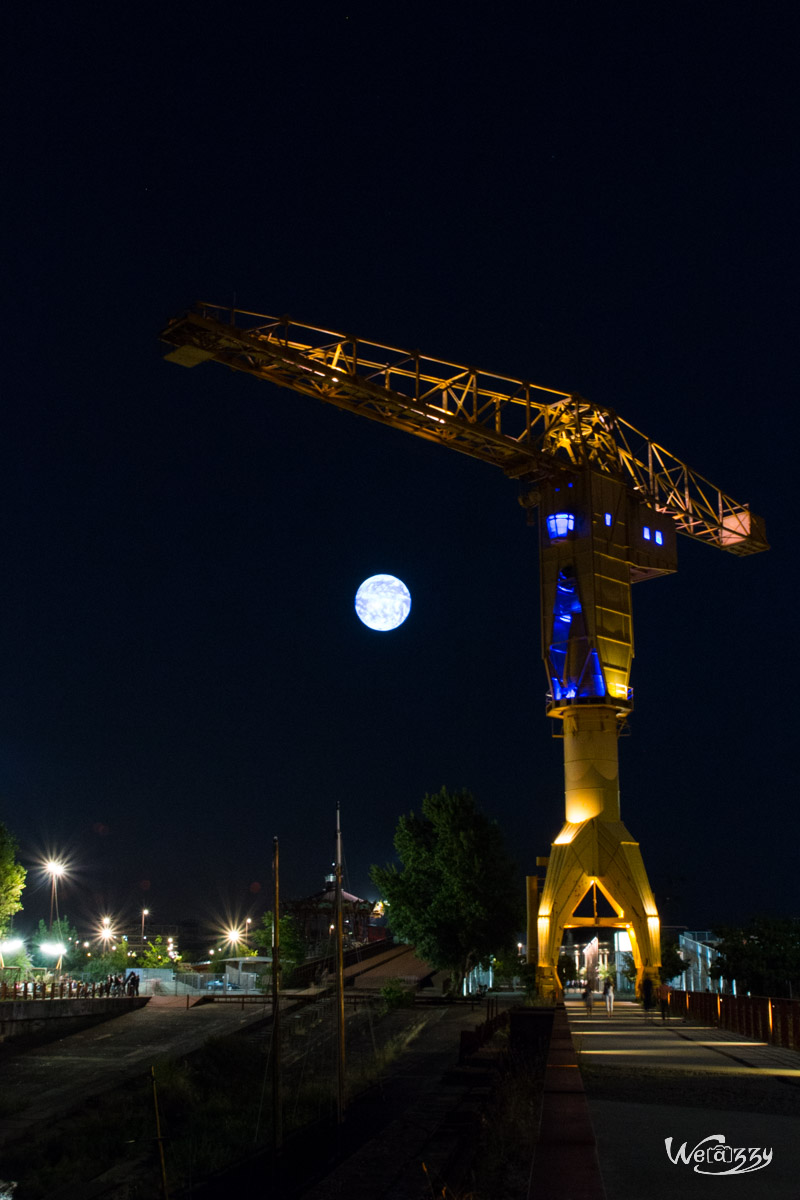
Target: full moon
(383, 602)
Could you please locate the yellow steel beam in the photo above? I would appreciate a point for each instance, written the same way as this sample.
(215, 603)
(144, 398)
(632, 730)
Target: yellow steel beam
(529, 431)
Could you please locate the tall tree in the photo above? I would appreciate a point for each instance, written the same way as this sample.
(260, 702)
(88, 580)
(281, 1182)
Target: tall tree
(12, 879)
(763, 956)
(456, 898)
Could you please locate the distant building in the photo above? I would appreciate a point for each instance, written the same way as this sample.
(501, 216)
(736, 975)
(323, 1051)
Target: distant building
(316, 916)
(698, 948)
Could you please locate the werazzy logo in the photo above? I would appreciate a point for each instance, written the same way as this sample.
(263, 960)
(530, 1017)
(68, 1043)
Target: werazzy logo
(712, 1156)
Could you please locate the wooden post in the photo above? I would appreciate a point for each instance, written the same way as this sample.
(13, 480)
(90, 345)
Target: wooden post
(340, 1102)
(277, 1109)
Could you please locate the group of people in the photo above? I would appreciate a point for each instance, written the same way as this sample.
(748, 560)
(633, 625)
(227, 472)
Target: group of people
(650, 994)
(119, 985)
(608, 996)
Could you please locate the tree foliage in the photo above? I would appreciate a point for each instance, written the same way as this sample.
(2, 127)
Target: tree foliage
(673, 963)
(293, 947)
(456, 898)
(627, 968)
(12, 879)
(156, 953)
(763, 956)
(109, 962)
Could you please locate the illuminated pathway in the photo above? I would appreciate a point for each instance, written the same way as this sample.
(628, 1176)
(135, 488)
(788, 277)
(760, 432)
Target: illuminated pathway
(647, 1081)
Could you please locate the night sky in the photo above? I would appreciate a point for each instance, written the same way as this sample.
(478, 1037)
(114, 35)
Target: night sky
(600, 198)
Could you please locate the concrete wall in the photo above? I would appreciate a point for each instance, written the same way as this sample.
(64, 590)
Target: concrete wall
(56, 1018)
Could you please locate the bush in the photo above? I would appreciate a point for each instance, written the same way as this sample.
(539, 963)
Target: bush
(394, 995)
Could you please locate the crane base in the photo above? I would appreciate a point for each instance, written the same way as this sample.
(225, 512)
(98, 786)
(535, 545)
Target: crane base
(596, 856)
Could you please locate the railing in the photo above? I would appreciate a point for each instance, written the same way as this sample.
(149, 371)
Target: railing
(473, 1039)
(63, 990)
(762, 1018)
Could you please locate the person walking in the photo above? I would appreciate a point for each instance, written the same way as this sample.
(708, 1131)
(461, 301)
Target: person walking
(664, 991)
(588, 998)
(608, 992)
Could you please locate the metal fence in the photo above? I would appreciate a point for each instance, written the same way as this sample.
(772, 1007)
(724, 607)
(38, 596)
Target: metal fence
(762, 1018)
(35, 989)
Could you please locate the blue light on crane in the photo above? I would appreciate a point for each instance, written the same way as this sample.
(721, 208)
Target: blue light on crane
(560, 524)
(575, 670)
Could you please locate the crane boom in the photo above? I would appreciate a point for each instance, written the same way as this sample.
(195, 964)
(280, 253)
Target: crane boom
(529, 431)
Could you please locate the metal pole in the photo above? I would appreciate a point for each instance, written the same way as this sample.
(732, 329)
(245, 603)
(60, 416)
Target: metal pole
(277, 1112)
(159, 1138)
(340, 1105)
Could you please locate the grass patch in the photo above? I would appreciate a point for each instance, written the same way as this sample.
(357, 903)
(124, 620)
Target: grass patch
(379, 1057)
(509, 1128)
(215, 1106)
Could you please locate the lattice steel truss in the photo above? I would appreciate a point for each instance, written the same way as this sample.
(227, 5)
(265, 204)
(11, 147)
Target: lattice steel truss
(527, 430)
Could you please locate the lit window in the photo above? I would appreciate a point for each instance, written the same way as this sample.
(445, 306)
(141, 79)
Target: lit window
(646, 533)
(659, 538)
(560, 524)
(609, 518)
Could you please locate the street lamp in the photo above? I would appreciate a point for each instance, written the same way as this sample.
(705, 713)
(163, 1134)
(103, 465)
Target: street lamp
(55, 870)
(54, 950)
(247, 932)
(145, 913)
(9, 947)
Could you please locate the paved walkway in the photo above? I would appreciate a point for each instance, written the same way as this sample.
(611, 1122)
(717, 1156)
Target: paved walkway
(647, 1081)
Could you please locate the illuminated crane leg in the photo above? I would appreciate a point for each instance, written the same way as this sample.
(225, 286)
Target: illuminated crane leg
(594, 848)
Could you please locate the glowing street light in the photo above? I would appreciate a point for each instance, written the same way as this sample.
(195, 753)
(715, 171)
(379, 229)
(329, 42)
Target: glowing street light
(55, 870)
(247, 925)
(53, 950)
(145, 913)
(9, 947)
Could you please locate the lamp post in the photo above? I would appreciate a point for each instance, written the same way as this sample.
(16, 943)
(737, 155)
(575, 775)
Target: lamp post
(9, 946)
(145, 913)
(247, 933)
(55, 950)
(55, 870)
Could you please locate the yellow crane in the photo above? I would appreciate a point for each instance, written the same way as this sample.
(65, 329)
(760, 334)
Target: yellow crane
(610, 502)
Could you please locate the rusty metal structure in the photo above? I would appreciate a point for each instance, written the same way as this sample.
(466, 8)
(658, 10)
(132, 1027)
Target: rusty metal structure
(610, 503)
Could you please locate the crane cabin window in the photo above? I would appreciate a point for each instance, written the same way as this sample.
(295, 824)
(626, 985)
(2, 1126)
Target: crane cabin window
(560, 524)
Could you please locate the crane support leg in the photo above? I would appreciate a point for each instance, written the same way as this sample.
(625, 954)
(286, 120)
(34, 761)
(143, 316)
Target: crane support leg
(601, 854)
(594, 850)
